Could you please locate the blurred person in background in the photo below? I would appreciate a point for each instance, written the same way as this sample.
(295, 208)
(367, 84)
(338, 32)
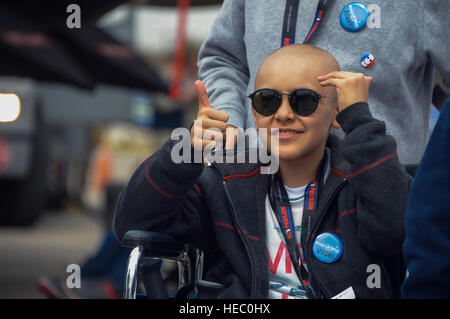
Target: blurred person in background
(119, 150)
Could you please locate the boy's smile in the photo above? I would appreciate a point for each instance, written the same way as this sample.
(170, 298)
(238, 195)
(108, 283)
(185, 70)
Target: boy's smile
(287, 134)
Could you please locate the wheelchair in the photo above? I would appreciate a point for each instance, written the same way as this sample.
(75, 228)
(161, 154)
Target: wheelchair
(144, 262)
(151, 248)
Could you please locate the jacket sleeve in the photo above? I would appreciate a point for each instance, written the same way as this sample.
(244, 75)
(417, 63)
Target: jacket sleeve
(222, 62)
(378, 180)
(436, 38)
(162, 196)
(427, 243)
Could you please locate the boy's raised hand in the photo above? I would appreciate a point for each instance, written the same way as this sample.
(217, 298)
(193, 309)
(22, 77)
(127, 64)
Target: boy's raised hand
(350, 87)
(209, 122)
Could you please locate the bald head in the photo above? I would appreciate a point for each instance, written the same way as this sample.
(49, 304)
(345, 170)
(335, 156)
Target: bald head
(298, 55)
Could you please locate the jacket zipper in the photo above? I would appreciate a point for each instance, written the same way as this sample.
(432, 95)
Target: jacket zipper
(315, 227)
(246, 244)
(244, 239)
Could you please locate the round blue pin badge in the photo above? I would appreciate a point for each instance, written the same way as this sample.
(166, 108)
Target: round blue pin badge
(354, 16)
(328, 248)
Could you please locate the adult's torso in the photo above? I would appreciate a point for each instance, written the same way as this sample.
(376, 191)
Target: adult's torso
(400, 93)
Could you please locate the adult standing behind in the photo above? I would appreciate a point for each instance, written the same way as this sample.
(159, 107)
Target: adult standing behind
(405, 40)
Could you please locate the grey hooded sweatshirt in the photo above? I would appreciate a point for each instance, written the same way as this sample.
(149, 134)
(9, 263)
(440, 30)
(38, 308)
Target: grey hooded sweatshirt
(407, 38)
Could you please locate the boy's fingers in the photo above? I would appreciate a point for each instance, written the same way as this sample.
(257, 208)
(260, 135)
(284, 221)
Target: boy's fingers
(197, 129)
(330, 82)
(213, 133)
(200, 144)
(335, 74)
(211, 123)
(338, 75)
(202, 94)
(344, 76)
(231, 137)
(196, 143)
(215, 114)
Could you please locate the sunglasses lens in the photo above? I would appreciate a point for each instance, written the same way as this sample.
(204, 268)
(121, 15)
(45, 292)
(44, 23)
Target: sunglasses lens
(266, 102)
(304, 102)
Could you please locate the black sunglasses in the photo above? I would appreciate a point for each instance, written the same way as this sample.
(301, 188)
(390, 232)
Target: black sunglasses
(302, 101)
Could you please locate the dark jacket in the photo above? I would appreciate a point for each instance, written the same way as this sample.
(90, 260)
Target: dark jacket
(221, 209)
(427, 243)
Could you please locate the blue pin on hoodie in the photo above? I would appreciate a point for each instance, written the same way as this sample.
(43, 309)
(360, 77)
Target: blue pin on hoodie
(354, 16)
(328, 248)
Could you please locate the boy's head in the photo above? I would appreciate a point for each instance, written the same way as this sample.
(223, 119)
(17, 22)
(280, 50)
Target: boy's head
(285, 70)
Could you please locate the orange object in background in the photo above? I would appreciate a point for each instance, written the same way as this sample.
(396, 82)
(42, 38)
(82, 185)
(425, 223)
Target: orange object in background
(120, 149)
(102, 168)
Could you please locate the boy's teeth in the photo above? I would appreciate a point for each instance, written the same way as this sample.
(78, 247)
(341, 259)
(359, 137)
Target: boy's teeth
(288, 132)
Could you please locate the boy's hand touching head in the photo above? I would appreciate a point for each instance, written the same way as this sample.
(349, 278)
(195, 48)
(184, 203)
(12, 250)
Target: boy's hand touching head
(350, 87)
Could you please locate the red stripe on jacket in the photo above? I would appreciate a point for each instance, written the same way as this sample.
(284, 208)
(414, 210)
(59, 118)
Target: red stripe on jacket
(245, 175)
(159, 188)
(347, 212)
(237, 230)
(365, 168)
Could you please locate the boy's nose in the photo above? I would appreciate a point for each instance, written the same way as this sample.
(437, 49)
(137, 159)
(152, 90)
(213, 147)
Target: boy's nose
(285, 112)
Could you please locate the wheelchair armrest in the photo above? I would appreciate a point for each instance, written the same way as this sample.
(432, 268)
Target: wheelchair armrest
(154, 244)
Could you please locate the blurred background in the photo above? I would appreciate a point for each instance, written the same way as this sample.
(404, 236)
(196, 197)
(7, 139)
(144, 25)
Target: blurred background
(88, 90)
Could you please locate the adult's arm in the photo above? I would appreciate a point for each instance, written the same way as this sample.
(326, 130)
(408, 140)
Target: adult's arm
(222, 63)
(436, 38)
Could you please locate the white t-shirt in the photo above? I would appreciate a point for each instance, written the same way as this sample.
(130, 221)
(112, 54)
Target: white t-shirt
(283, 280)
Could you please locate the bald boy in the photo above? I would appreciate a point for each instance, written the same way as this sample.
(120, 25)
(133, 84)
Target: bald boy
(312, 229)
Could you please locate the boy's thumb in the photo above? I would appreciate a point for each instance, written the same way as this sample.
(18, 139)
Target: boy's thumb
(202, 94)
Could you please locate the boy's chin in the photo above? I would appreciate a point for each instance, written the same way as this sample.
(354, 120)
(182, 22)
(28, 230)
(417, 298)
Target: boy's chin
(289, 155)
(295, 153)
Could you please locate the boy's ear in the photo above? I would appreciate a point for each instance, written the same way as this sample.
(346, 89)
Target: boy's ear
(254, 117)
(335, 123)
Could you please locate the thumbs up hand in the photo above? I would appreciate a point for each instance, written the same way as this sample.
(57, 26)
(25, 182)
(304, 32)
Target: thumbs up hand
(210, 124)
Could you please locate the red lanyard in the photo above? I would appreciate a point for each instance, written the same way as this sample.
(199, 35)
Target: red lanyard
(290, 21)
(281, 206)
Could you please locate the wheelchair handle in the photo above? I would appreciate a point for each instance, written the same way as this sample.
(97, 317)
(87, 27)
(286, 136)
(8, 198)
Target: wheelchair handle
(131, 275)
(154, 244)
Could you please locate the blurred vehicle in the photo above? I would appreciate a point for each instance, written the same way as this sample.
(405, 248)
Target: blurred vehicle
(24, 152)
(45, 149)
(34, 170)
